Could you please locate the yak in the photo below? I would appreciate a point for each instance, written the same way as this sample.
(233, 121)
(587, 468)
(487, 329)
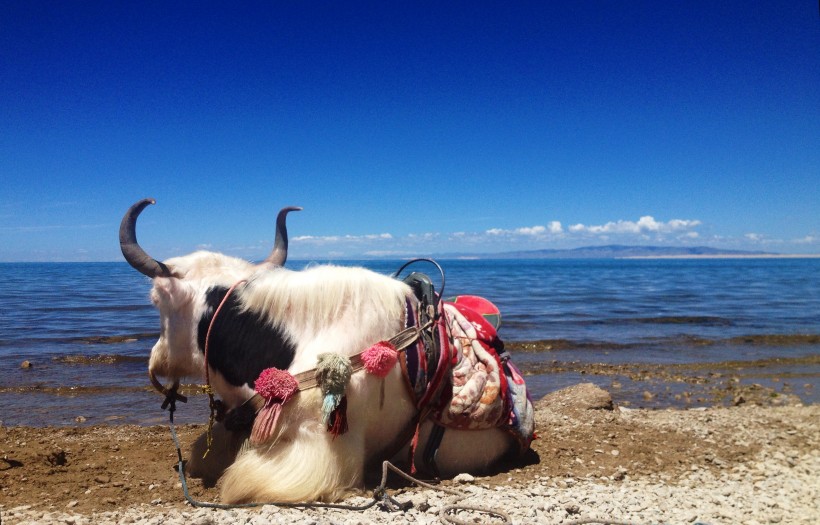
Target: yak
(331, 367)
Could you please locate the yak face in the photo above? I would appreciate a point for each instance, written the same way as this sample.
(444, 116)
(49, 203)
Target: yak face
(182, 303)
(187, 290)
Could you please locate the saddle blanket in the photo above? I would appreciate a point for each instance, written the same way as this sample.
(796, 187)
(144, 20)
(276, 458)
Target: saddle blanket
(483, 388)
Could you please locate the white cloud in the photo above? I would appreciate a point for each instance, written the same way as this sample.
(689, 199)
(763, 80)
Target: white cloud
(646, 224)
(330, 239)
(553, 227)
(532, 230)
(808, 239)
(422, 236)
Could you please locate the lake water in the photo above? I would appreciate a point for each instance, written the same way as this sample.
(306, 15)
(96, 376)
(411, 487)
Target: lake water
(88, 328)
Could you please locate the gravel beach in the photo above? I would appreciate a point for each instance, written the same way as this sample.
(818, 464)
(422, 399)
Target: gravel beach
(756, 463)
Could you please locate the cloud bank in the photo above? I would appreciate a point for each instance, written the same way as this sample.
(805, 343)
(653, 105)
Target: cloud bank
(551, 234)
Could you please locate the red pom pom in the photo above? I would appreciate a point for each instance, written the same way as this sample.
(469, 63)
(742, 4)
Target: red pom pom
(380, 358)
(276, 385)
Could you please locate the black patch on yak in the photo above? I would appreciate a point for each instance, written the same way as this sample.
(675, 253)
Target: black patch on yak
(242, 344)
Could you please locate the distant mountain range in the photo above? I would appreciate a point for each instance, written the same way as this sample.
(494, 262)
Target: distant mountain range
(615, 251)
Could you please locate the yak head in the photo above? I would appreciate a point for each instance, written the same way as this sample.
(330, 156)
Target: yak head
(180, 287)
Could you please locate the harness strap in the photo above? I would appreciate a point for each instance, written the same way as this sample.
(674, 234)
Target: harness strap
(307, 379)
(433, 444)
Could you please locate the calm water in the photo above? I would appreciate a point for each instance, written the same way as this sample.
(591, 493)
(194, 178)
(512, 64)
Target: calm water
(88, 328)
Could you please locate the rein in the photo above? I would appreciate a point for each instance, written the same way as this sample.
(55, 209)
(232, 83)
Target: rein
(216, 407)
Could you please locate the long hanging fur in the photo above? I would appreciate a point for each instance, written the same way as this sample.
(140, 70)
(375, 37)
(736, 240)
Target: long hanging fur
(320, 309)
(302, 463)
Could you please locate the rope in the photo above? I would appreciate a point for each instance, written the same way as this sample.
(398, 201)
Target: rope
(183, 480)
(380, 493)
(211, 325)
(212, 404)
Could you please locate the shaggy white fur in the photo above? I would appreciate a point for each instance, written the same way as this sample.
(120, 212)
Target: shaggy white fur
(320, 309)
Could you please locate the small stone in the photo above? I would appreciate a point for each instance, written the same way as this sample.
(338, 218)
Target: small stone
(615, 452)
(738, 400)
(73, 503)
(26, 364)
(80, 419)
(57, 458)
(464, 478)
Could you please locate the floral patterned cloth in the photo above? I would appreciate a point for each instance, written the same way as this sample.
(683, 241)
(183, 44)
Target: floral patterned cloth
(471, 384)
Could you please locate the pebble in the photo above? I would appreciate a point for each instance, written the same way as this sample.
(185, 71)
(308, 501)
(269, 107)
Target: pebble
(464, 478)
(757, 490)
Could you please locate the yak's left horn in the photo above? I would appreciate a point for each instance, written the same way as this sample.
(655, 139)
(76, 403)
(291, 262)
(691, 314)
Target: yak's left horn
(279, 254)
(131, 250)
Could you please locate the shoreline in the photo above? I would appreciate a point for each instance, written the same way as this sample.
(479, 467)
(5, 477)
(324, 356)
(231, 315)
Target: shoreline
(650, 385)
(746, 464)
(729, 256)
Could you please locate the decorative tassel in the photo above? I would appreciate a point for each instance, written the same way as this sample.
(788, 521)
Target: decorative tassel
(414, 443)
(378, 360)
(333, 373)
(337, 423)
(276, 387)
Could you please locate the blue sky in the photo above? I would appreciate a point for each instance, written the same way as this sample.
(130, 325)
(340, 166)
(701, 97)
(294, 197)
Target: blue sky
(408, 128)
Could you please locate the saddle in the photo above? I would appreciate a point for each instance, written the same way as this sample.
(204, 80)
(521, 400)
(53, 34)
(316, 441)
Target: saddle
(459, 373)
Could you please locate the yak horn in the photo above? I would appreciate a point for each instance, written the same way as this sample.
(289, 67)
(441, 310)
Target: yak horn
(131, 250)
(279, 254)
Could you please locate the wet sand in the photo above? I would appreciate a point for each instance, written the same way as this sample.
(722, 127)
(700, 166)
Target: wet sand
(112, 473)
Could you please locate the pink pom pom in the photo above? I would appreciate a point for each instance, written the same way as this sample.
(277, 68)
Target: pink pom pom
(380, 358)
(276, 385)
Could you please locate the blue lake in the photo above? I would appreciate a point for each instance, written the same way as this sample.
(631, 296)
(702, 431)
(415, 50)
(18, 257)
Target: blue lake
(88, 328)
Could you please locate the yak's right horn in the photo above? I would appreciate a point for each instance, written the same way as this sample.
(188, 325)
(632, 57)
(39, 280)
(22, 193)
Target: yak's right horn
(131, 250)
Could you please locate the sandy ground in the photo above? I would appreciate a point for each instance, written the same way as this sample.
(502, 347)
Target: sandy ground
(581, 436)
